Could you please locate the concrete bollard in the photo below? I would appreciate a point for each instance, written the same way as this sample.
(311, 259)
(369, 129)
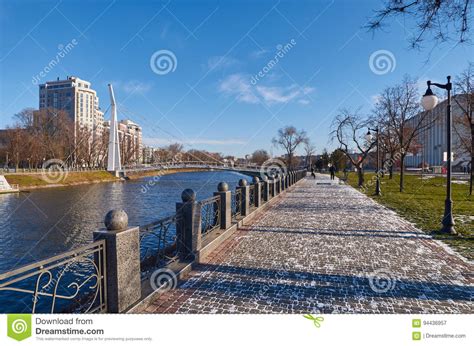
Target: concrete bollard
(257, 197)
(188, 225)
(122, 246)
(226, 201)
(245, 190)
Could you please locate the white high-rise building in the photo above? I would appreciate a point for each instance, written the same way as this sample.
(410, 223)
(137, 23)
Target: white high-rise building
(74, 96)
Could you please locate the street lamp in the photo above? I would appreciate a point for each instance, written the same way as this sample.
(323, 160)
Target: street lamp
(429, 101)
(369, 137)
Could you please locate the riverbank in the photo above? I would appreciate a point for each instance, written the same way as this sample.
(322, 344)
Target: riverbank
(33, 181)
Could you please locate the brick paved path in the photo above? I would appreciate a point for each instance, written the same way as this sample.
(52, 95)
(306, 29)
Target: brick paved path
(325, 249)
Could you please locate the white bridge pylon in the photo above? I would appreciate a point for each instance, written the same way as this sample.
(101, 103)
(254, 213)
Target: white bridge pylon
(113, 160)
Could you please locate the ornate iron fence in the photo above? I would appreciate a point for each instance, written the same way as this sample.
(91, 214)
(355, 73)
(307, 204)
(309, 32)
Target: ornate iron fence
(252, 196)
(74, 281)
(236, 203)
(158, 243)
(210, 214)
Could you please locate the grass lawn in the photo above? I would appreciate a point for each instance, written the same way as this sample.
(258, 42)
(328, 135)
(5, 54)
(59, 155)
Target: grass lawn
(33, 180)
(422, 203)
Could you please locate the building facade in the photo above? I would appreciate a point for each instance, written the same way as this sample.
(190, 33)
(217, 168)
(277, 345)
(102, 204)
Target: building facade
(148, 154)
(76, 97)
(130, 138)
(430, 145)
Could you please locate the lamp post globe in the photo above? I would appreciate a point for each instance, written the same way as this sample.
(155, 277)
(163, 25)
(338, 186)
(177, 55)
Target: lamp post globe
(369, 137)
(429, 99)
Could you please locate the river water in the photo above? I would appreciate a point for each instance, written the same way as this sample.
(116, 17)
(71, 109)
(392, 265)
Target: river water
(43, 223)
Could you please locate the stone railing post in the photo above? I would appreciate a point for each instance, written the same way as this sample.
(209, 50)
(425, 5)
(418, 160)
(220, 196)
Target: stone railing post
(283, 182)
(226, 201)
(245, 190)
(266, 190)
(188, 225)
(273, 182)
(287, 180)
(257, 197)
(122, 247)
(276, 179)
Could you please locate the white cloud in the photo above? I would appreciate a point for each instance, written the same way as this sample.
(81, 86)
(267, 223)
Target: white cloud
(239, 86)
(206, 141)
(278, 94)
(221, 62)
(258, 53)
(132, 86)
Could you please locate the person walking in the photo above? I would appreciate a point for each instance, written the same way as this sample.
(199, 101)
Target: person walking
(312, 173)
(332, 170)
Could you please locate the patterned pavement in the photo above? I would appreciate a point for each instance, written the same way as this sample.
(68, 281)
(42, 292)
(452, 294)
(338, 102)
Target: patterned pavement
(325, 249)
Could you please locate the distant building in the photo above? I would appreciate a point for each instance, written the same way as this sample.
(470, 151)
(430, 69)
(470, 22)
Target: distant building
(77, 99)
(430, 145)
(148, 153)
(130, 138)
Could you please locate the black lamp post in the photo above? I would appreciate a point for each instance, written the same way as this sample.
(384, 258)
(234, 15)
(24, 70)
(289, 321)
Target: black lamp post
(429, 101)
(369, 138)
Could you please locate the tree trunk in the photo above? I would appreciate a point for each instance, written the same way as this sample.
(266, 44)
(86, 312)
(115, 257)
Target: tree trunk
(472, 157)
(402, 172)
(360, 174)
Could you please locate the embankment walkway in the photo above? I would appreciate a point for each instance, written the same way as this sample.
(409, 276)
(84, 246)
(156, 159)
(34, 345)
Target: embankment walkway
(325, 249)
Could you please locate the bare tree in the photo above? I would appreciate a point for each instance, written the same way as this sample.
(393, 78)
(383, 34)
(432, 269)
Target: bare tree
(289, 138)
(442, 20)
(349, 130)
(309, 150)
(259, 156)
(400, 106)
(464, 124)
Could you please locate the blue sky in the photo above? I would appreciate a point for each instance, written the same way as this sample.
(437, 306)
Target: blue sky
(209, 100)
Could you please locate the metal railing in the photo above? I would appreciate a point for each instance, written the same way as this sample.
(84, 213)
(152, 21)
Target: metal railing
(210, 214)
(74, 281)
(158, 243)
(236, 203)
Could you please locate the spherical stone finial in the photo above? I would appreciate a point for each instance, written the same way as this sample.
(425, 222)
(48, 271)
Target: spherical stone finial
(116, 219)
(222, 187)
(242, 182)
(265, 178)
(188, 195)
(256, 180)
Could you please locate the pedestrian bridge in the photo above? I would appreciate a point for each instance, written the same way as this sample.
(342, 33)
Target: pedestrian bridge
(248, 169)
